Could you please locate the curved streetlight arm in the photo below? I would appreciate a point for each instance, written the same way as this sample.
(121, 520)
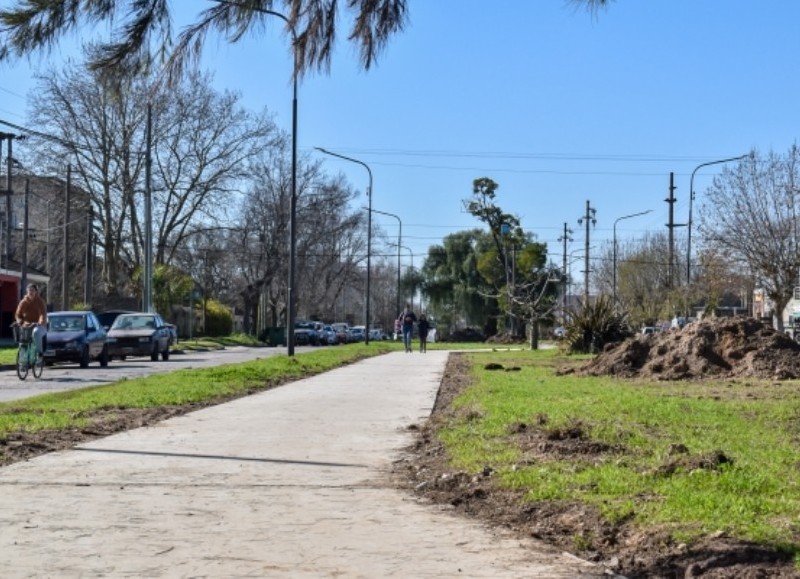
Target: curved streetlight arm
(362, 163)
(399, 241)
(369, 229)
(691, 199)
(614, 267)
(411, 255)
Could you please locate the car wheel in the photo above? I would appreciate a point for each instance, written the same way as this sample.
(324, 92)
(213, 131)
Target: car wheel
(154, 353)
(104, 357)
(165, 354)
(84, 362)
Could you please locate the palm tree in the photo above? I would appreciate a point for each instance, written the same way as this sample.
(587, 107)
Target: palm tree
(144, 31)
(143, 28)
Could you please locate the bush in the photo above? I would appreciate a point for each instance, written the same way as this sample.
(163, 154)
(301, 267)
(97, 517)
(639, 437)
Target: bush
(219, 319)
(595, 325)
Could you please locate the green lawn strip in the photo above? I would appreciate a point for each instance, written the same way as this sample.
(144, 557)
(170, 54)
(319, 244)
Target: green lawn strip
(73, 408)
(660, 439)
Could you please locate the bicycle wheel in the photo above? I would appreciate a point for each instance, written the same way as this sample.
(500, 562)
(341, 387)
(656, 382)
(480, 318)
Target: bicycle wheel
(38, 367)
(22, 362)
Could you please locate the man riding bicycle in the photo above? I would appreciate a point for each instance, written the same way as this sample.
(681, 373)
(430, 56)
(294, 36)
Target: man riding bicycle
(33, 310)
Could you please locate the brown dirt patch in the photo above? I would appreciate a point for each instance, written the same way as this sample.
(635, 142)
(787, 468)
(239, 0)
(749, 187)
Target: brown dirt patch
(713, 347)
(619, 548)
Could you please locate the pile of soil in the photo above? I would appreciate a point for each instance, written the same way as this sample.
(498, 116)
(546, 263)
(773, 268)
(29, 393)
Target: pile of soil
(619, 549)
(738, 347)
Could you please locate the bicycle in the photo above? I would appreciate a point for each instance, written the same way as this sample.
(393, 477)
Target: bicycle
(27, 356)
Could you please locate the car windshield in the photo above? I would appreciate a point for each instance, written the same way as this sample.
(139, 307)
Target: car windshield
(66, 323)
(134, 323)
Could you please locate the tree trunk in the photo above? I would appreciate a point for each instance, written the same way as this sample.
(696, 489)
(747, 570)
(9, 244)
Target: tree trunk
(534, 332)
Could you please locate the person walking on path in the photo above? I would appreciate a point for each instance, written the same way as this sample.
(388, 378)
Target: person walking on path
(407, 319)
(422, 327)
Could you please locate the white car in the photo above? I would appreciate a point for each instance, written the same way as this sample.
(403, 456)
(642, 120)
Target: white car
(357, 334)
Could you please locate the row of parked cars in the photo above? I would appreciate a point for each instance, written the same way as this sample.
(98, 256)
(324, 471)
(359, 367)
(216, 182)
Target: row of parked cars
(83, 337)
(313, 333)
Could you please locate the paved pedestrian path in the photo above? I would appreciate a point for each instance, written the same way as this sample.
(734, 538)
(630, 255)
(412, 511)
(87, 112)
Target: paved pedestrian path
(286, 483)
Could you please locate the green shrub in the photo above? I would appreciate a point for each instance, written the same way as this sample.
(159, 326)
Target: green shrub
(219, 319)
(595, 325)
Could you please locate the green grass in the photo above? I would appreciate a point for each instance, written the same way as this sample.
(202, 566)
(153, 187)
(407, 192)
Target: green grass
(640, 476)
(72, 408)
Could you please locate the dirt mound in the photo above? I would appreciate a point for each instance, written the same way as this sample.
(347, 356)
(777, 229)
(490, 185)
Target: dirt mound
(713, 347)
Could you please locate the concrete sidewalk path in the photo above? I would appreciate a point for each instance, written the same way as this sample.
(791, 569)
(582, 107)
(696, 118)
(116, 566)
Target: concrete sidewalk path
(286, 483)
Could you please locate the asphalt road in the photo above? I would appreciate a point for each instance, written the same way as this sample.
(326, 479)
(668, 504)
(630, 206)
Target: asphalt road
(70, 376)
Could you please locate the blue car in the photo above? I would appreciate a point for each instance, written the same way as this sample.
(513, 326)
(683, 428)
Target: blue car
(76, 337)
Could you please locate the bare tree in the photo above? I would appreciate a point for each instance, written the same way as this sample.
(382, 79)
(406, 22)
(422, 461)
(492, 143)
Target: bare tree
(202, 146)
(643, 285)
(749, 214)
(330, 241)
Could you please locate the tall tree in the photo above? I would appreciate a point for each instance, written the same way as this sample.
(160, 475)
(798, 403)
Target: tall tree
(457, 294)
(515, 265)
(143, 28)
(643, 285)
(330, 242)
(203, 143)
(749, 213)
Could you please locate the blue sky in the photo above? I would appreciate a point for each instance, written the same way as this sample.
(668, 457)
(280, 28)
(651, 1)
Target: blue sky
(555, 105)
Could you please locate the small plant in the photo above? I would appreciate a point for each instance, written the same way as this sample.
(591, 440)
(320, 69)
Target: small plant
(595, 325)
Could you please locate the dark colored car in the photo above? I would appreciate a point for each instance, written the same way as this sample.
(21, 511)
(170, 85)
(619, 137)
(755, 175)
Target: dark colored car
(107, 318)
(342, 332)
(305, 333)
(139, 334)
(75, 337)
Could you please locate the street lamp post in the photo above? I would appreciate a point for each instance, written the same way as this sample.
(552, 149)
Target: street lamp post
(691, 199)
(399, 241)
(615, 247)
(411, 255)
(369, 230)
(290, 292)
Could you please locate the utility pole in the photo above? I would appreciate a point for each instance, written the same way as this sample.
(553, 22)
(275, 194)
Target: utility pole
(589, 218)
(88, 294)
(147, 290)
(8, 192)
(671, 225)
(24, 271)
(565, 238)
(65, 263)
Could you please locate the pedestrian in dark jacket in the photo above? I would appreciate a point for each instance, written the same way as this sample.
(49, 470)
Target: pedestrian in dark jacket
(407, 319)
(422, 327)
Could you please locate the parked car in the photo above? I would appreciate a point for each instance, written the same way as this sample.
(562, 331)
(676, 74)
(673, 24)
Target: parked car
(305, 333)
(319, 330)
(139, 334)
(342, 332)
(357, 334)
(329, 336)
(75, 337)
(107, 318)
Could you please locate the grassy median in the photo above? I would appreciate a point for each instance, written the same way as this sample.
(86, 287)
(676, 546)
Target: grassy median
(78, 408)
